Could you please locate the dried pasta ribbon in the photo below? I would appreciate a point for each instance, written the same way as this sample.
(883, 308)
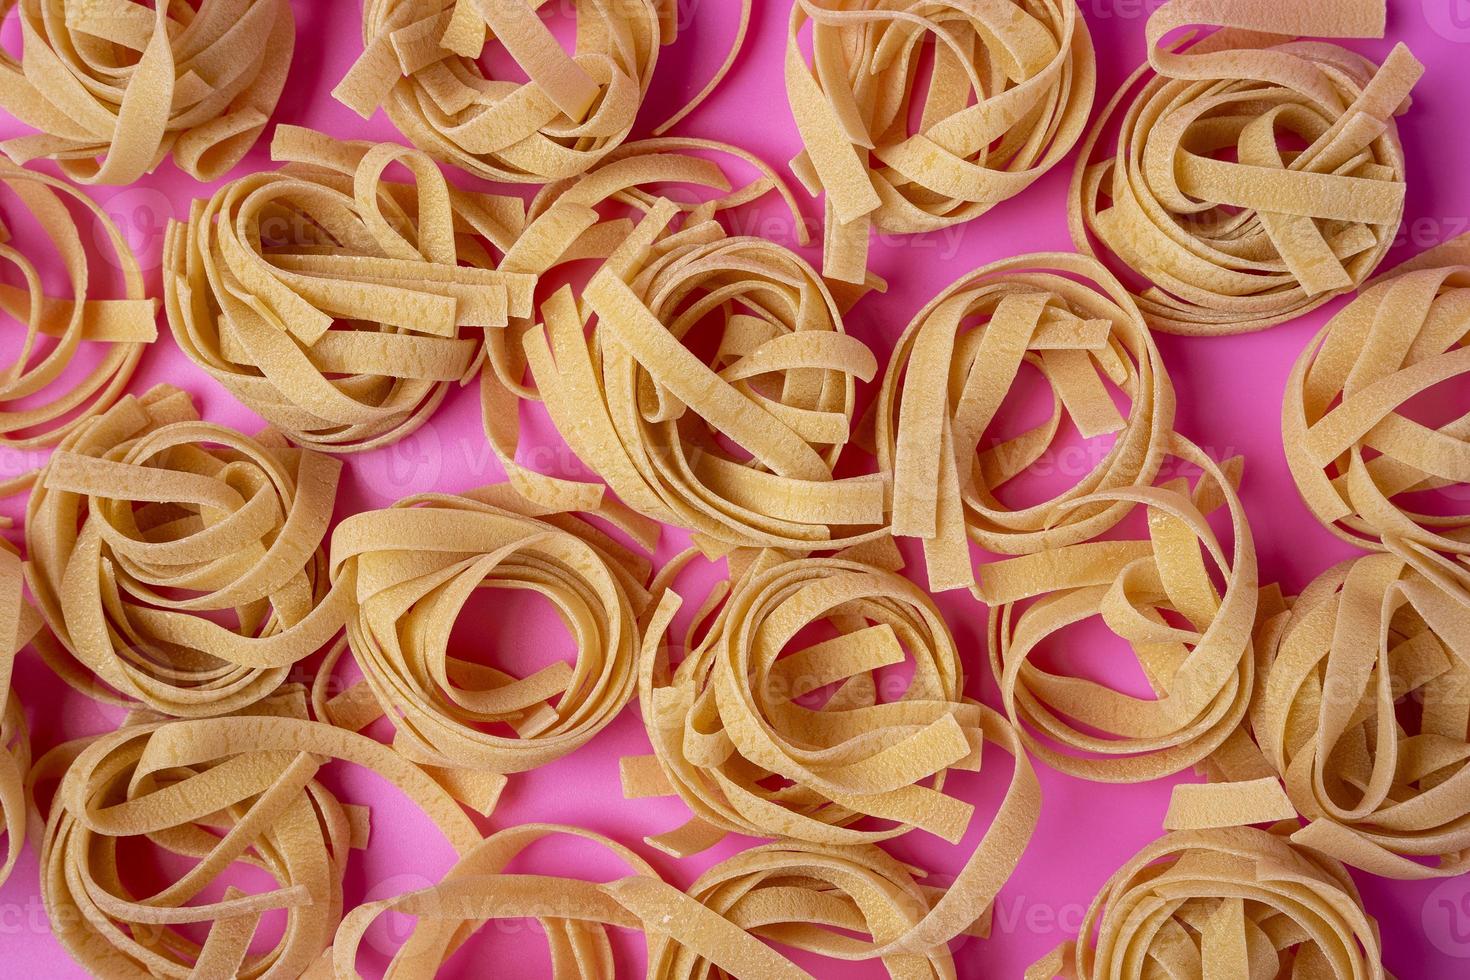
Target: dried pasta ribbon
(416, 564)
(1381, 790)
(147, 525)
(740, 445)
(1239, 902)
(340, 305)
(1007, 97)
(18, 624)
(420, 63)
(221, 793)
(739, 738)
(587, 218)
(685, 938)
(1198, 659)
(1353, 445)
(114, 86)
(1064, 316)
(1206, 196)
(38, 406)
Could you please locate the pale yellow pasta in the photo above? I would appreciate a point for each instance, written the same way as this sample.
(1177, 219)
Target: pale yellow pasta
(224, 793)
(339, 305)
(18, 624)
(1355, 450)
(115, 86)
(1063, 316)
(420, 64)
(414, 565)
(1200, 665)
(739, 446)
(1007, 97)
(1380, 790)
(146, 524)
(58, 327)
(1192, 179)
(736, 737)
(1235, 902)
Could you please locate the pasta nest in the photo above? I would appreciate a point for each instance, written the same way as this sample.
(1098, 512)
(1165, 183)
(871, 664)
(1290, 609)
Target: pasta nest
(422, 63)
(1007, 97)
(18, 624)
(1205, 193)
(223, 794)
(148, 525)
(684, 937)
(1379, 787)
(52, 399)
(1240, 900)
(739, 736)
(334, 302)
(1183, 600)
(114, 86)
(413, 566)
(1355, 450)
(738, 443)
(1063, 317)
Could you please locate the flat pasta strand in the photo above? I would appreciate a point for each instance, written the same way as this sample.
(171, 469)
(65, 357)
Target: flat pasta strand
(339, 305)
(1201, 195)
(1065, 317)
(1201, 671)
(146, 524)
(115, 86)
(1008, 95)
(18, 624)
(40, 400)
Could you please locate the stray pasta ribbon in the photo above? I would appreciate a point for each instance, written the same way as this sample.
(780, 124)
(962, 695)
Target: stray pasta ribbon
(335, 302)
(420, 63)
(147, 526)
(223, 794)
(40, 399)
(416, 564)
(1063, 316)
(741, 735)
(1380, 790)
(739, 444)
(1007, 97)
(1236, 902)
(1199, 659)
(114, 86)
(18, 624)
(587, 218)
(1256, 176)
(686, 940)
(1358, 454)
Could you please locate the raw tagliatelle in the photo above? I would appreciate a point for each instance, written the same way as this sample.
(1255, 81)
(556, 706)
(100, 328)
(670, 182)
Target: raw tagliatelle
(587, 218)
(18, 623)
(685, 938)
(235, 798)
(741, 734)
(114, 86)
(1236, 902)
(1064, 317)
(1184, 601)
(1356, 449)
(1007, 96)
(738, 443)
(1381, 789)
(1253, 176)
(178, 562)
(41, 400)
(414, 565)
(421, 64)
(338, 304)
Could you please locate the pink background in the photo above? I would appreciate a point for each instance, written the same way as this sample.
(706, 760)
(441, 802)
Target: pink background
(1229, 402)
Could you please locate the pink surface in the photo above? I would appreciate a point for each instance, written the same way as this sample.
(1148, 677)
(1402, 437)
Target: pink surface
(1229, 402)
